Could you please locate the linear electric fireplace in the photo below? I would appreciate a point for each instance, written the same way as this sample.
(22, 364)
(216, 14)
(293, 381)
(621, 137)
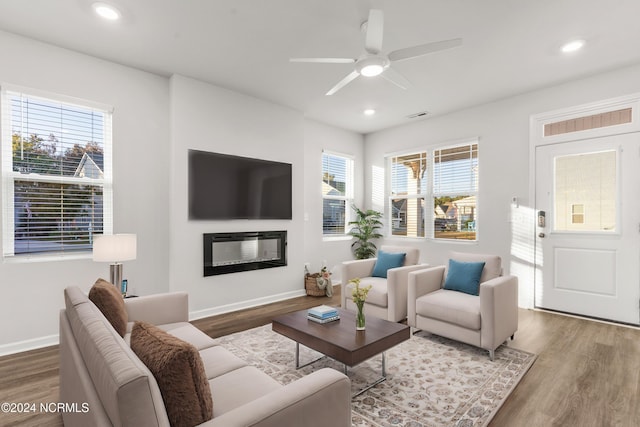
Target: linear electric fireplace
(233, 252)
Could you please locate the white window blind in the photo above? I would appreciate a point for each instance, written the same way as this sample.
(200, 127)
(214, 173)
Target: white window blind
(407, 199)
(337, 192)
(56, 174)
(455, 190)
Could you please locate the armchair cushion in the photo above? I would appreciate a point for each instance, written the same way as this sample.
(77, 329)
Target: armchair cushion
(456, 308)
(378, 294)
(464, 277)
(387, 260)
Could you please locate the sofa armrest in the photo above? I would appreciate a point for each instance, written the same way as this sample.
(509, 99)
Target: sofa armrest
(351, 270)
(320, 399)
(498, 310)
(421, 282)
(159, 309)
(397, 284)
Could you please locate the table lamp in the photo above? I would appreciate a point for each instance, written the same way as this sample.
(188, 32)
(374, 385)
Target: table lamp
(115, 248)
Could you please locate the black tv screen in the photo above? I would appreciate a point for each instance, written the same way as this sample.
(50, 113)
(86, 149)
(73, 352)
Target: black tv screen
(222, 186)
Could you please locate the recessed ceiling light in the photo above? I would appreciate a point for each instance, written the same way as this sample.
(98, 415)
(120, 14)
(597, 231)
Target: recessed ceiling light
(106, 11)
(369, 112)
(572, 46)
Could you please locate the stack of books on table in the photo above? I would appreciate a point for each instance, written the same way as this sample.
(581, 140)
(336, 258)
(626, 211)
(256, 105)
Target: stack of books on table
(323, 314)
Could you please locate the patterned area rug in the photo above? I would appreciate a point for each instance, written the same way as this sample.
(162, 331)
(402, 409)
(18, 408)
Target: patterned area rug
(431, 381)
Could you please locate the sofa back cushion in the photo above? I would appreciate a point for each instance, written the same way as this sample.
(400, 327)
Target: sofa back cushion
(179, 372)
(127, 390)
(111, 303)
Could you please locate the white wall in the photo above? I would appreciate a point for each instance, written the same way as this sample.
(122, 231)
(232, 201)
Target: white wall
(156, 120)
(32, 292)
(319, 137)
(503, 129)
(211, 118)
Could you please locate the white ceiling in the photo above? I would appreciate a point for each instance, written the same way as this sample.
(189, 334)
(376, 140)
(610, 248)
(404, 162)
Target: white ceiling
(510, 47)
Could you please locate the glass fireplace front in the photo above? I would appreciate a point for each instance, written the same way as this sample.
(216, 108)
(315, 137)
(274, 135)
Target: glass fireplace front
(233, 252)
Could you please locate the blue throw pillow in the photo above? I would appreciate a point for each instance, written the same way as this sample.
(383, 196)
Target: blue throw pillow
(387, 260)
(464, 277)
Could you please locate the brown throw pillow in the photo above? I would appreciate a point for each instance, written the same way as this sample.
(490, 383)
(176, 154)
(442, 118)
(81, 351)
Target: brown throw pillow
(179, 372)
(110, 302)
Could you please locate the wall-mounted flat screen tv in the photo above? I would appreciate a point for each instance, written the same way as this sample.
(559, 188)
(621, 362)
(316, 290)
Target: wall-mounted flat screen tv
(223, 186)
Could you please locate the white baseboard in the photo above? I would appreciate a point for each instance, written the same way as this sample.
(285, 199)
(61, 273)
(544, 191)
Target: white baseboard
(200, 314)
(32, 344)
(26, 345)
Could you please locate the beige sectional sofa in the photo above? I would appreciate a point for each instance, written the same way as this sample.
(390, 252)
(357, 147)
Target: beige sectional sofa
(108, 384)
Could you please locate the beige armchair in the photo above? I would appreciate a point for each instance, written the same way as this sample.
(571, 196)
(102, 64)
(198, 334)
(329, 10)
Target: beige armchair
(387, 298)
(485, 320)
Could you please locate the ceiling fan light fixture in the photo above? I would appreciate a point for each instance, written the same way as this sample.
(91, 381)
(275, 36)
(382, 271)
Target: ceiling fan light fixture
(372, 70)
(371, 66)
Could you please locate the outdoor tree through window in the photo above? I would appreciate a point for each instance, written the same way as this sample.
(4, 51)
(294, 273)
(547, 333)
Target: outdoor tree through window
(56, 174)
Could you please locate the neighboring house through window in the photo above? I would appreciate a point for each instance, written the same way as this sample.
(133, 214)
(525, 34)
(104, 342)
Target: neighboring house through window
(337, 192)
(56, 173)
(446, 181)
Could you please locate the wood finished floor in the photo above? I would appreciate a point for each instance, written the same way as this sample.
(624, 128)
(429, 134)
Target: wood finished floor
(587, 373)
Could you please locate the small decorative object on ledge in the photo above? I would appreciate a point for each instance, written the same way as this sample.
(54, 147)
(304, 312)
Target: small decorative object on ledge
(359, 296)
(318, 284)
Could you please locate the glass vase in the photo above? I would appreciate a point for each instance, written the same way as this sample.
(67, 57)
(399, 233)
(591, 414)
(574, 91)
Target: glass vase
(360, 322)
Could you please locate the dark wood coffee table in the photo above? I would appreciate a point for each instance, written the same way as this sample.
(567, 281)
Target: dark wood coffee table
(340, 341)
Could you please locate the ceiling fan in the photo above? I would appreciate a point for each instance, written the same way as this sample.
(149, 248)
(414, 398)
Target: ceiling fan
(373, 62)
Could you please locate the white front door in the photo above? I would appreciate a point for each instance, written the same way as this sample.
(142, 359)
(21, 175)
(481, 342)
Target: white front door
(587, 199)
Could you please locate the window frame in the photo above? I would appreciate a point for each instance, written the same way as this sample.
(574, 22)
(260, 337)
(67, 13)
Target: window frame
(348, 196)
(9, 177)
(429, 192)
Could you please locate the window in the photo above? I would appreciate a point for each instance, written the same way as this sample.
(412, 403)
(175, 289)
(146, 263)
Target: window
(408, 195)
(337, 192)
(445, 179)
(586, 192)
(56, 174)
(455, 190)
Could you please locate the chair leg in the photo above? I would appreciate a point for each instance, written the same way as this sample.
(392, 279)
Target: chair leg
(512, 336)
(492, 354)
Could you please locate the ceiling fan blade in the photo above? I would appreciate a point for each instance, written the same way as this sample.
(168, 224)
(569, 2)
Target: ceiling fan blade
(325, 60)
(396, 78)
(423, 49)
(342, 83)
(375, 28)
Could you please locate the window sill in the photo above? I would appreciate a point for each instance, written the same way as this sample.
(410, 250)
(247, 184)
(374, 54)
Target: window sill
(336, 238)
(29, 258)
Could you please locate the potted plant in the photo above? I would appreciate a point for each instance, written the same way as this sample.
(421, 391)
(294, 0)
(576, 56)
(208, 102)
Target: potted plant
(365, 228)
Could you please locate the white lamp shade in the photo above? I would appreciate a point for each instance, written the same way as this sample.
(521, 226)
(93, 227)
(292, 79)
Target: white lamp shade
(114, 247)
